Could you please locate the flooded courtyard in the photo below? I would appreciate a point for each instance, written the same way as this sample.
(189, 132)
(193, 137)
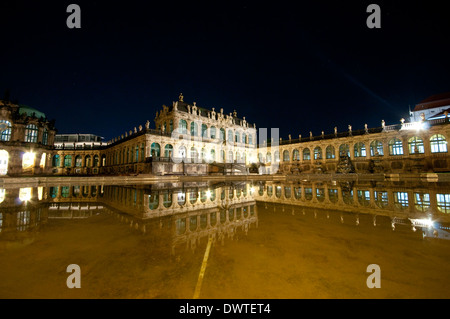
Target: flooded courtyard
(263, 240)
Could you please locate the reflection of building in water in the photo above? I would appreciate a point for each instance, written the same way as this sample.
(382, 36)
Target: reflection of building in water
(22, 209)
(424, 205)
(190, 212)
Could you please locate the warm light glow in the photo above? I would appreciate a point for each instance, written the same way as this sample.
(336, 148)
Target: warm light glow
(28, 160)
(25, 194)
(43, 157)
(414, 126)
(252, 190)
(208, 194)
(40, 190)
(2, 194)
(4, 157)
(423, 222)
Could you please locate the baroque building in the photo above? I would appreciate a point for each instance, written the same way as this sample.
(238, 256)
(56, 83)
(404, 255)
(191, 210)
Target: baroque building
(401, 148)
(187, 140)
(26, 140)
(192, 140)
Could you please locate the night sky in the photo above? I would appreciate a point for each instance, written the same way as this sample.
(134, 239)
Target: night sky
(308, 67)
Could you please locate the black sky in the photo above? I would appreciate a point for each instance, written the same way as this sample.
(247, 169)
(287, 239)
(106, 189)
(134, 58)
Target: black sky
(304, 67)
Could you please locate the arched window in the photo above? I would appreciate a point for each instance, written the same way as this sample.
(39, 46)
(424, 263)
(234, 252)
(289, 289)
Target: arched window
(204, 131)
(395, 147)
(268, 157)
(28, 160)
(194, 155)
(155, 150)
(230, 136)
(360, 149)
(329, 151)
(306, 154)
(87, 160)
(170, 126)
(31, 133)
(165, 126)
(438, 144)
(45, 137)
(194, 129)
(250, 139)
(296, 155)
(415, 145)
(182, 152)
(376, 148)
(212, 132)
(260, 158)
(230, 157)
(5, 130)
(78, 161)
(344, 149)
(285, 156)
(244, 138)
(168, 149)
(222, 134)
(203, 154)
(237, 137)
(182, 127)
(4, 157)
(318, 153)
(276, 157)
(56, 161)
(213, 155)
(68, 161)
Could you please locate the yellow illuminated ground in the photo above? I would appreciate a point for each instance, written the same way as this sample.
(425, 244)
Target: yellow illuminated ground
(289, 255)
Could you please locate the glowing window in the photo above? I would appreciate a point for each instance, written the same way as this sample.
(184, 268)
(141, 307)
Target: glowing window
(438, 144)
(317, 153)
(363, 197)
(443, 202)
(28, 160)
(25, 194)
(401, 199)
(4, 157)
(2, 195)
(422, 201)
(306, 154)
(43, 159)
(395, 147)
(31, 133)
(360, 150)
(376, 148)
(5, 130)
(329, 151)
(415, 145)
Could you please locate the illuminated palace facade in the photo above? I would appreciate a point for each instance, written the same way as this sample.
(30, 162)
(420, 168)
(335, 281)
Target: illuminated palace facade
(26, 140)
(191, 140)
(403, 148)
(188, 140)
